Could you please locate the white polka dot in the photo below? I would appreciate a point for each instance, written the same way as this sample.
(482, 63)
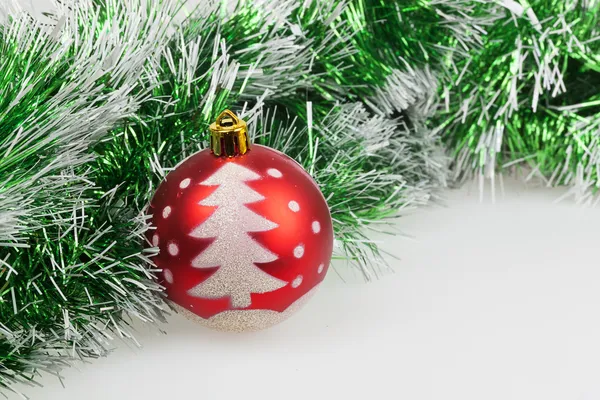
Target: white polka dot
(299, 251)
(168, 275)
(316, 227)
(155, 240)
(167, 212)
(185, 183)
(321, 266)
(275, 173)
(173, 249)
(294, 206)
(297, 281)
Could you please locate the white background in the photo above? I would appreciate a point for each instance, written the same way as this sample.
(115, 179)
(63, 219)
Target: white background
(489, 301)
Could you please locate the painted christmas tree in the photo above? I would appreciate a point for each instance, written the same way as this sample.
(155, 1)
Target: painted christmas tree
(237, 276)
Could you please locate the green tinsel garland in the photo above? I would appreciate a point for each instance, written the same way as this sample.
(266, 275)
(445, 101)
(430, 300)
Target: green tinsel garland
(530, 96)
(98, 104)
(70, 278)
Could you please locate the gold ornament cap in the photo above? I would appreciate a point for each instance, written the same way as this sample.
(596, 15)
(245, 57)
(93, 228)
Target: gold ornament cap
(229, 135)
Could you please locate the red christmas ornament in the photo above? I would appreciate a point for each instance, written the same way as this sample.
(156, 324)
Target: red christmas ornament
(245, 236)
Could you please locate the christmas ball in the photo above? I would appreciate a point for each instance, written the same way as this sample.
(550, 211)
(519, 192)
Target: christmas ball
(245, 236)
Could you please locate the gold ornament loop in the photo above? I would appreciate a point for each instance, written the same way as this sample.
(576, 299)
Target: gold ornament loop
(229, 135)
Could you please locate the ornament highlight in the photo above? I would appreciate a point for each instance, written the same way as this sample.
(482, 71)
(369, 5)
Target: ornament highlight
(245, 235)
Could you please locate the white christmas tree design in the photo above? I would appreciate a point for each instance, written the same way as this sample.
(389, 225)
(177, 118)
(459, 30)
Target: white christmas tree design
(233, 250)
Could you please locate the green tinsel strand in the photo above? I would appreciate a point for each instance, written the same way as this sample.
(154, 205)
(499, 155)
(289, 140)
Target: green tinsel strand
(394, 42)
(520, 100)
(70, 278)
(487, 57)
(387, 49)
(401, 36)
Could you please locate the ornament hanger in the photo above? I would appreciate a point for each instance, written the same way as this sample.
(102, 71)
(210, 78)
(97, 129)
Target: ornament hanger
(229, 135)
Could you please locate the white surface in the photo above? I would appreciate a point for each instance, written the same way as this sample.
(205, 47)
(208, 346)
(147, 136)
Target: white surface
(488, 302)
